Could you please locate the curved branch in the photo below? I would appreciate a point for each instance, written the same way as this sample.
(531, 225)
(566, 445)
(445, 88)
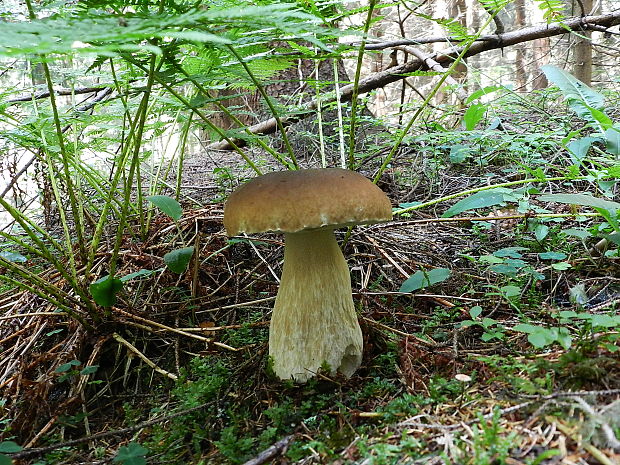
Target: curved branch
(397, 73)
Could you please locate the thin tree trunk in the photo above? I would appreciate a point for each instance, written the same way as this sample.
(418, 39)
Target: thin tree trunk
(520, 72)
(582, 48)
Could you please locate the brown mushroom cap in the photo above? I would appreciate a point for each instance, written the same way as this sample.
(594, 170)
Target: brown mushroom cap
(291, 201)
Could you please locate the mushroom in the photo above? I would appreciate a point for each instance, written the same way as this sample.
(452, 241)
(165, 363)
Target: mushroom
(314, 324)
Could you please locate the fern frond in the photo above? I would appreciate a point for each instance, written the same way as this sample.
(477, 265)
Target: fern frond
(553, 10)
(494, 6)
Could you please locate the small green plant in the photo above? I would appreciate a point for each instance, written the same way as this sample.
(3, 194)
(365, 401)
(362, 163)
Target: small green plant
(492, 328)
(69, 370)
(510, 262)
(8, 447)
(489, 444)
(131, 454)
(234, 448)
(421, 279)
(587, 325)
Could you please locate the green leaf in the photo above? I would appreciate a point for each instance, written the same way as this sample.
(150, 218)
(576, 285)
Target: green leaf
(539, 339)
(491, 259)
(420, 279)
(56, 331)
(482, 199)
(177, 260)
(489, 335)
(569, 314)
(459, 153)
(585, 200)
(614, 237)
(5, 460)
(503, 268)
(552, 255)
(612, 141)
(139, 274)
(541, 231)
(475, 312)
(579, 148)
(168, 205)
(605, 321)
(9, 447)
(604, 121)
(480, 93)
(67, 366)
(580, 97)
(408, 204)
(510, 291)
(564, 338)
(13, 257)
(467, 323)
(89, 370)
(561, 266)
(526, 328)
(104, 290)
(473, 115)
(131, 454)
(509, 252)
(581, 233)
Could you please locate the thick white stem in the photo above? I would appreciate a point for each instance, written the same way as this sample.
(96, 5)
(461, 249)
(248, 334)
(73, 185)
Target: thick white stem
(314, 321)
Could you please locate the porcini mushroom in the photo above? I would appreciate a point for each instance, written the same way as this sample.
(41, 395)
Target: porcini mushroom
(314, 323)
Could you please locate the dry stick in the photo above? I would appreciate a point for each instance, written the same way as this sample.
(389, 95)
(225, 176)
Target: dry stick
(386, 256)
(397, 73)
(432, 64)
(273, 273)
(177, 331)
(400, 333)
(143, 357)
(271, 452)
(45, 94)
(439, 300)
(595, 452)
(241, 304)
(25, 315)
(52, 421)
(219, 328)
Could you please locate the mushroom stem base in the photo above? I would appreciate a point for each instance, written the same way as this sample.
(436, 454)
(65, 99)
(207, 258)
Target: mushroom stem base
(314, 324)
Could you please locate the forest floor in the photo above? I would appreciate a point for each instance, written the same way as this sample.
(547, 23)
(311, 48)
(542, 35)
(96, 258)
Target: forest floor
(513, 359)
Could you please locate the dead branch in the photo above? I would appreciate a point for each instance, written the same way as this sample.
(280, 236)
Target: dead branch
(61, 91)
(396, 73)
(271, 452)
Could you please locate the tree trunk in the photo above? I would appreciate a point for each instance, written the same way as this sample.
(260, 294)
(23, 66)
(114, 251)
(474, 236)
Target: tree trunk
(520, 72)
(582, 47)
(541, 52)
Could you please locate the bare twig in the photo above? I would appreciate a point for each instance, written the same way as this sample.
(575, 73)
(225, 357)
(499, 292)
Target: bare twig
(143, 357)
(271, 452)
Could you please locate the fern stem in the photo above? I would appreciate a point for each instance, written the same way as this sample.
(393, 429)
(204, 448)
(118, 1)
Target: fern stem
(135, 160)
(484, 188)
(269, 103)
(356, 82)
(319, 115)
(343, 156)
(228, 113)
(77, 219)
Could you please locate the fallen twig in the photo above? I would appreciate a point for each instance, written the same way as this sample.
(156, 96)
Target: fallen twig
(271, 452)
